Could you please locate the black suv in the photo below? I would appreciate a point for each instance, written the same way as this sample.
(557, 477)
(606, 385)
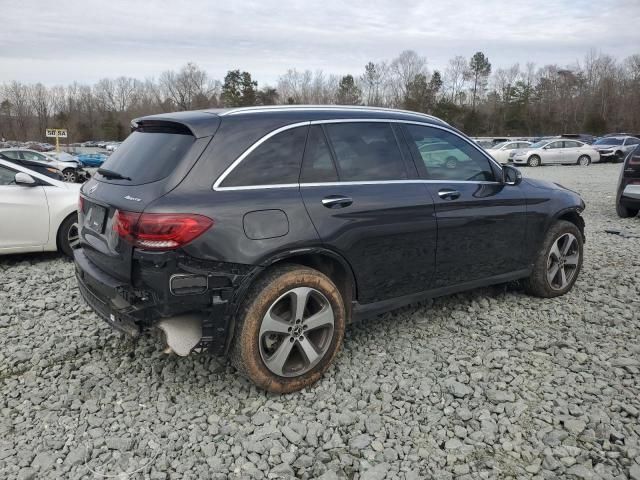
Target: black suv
(261, 232)
(628, 195)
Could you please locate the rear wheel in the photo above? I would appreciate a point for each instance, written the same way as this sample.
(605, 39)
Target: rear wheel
(534, 161)
(625, 212)
(70, 175)
(289, 330)
(68, 235)
(584, 160)
(619, 157)
(558, 263)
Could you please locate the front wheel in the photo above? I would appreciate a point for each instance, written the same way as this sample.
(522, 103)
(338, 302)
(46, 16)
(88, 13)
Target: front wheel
(619, 157)
(289, 330)
(68, 235)
(534, 161)
(584, 160)
(70, 175)
(558, 263)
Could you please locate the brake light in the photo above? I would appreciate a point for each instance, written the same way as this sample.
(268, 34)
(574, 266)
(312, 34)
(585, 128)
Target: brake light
(159, 231)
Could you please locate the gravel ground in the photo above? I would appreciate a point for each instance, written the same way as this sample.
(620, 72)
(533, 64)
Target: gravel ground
(486, 384)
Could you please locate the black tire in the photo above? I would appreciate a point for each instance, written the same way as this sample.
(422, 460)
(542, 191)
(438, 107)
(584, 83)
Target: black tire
(247, 347)
(618, 158)
(70, 175)
(625, 212)
(534, 161)
(67, 231)
(538, 283)
(582, 162)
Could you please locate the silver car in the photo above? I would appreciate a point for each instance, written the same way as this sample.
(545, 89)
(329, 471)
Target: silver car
(502, 150)
(615, 149)
(71, 169)
(555, 151)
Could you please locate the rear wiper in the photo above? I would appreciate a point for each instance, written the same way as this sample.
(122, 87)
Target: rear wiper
(111, 174)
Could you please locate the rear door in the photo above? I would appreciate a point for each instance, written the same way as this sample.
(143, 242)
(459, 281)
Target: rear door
(24, 213)
(363, 198)
(481, 221)
(571, 151)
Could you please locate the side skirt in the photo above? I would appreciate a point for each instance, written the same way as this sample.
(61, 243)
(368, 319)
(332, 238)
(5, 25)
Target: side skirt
(371, 309)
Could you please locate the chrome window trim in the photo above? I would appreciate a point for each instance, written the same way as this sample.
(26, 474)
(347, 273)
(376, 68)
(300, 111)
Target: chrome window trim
(230, 168)
(364, 182)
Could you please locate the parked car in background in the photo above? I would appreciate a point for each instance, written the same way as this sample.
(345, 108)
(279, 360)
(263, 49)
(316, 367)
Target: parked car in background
(260, 232)
(112, 147)
(71, 170)
(38, 167)
(583, 137)
(628, 194)
(615, 149)
(502, 150)
(555, 151)
(92, 160)
(41, 211)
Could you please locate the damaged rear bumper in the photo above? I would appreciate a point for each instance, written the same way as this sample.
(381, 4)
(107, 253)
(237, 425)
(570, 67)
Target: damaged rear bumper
(197, 314)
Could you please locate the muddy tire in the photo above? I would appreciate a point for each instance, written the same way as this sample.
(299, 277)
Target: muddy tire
(289, 329)
(558, 261)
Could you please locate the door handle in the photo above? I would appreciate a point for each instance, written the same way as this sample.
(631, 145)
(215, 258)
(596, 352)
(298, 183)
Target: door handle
(337, 201)
(448, 194)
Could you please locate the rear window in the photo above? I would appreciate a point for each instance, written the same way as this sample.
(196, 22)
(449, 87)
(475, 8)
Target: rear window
(149, 156)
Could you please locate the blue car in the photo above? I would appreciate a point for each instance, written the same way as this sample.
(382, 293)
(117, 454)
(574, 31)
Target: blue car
(92, 159)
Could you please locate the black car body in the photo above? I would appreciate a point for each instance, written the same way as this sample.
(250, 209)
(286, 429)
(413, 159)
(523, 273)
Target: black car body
(342, 190)
(628, 194)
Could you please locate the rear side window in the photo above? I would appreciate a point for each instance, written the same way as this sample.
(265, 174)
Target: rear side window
(276, 161)
(366, 151)
(149, 156)
(318, 165)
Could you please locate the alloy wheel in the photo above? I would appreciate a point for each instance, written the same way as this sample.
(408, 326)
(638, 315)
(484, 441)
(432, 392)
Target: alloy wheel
(73, 236)
(562, 262)
(583, 161)
(296, 332)
(69, 176)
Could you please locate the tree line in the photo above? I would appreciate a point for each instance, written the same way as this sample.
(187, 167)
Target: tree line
(596, 95)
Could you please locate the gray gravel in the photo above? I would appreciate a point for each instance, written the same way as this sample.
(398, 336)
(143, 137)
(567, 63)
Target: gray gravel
(485, 384)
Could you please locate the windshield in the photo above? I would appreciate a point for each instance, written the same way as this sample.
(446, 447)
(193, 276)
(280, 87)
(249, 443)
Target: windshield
(609, 141)
(149, 156)
(539, 144)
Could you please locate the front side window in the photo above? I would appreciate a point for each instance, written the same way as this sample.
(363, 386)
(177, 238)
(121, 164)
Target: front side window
(317, 165)
(446, 156)
(7, 176)
(276, 161)
(12, 154)
(366, 151)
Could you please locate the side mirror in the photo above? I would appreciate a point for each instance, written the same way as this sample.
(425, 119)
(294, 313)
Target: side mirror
(25, 180)
(511, 175)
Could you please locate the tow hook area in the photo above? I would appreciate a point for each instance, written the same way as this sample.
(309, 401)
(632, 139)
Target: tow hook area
(182, 333)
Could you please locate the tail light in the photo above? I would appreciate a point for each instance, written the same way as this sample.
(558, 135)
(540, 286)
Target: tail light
(159, 231)
(634, 160)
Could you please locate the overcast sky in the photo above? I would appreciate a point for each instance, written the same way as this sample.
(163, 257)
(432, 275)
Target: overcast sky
(85, 40)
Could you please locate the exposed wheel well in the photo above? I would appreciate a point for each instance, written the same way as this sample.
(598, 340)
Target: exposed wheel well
(339, 274)
(575, 218)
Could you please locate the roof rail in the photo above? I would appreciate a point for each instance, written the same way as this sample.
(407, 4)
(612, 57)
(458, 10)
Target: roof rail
(257, 109)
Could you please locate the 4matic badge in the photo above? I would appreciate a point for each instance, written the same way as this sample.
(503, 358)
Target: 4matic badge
(129, 197)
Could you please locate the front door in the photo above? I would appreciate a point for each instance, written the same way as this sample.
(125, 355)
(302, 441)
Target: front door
(481, 221)
(356, 187)
(24, 213)
(553, 153)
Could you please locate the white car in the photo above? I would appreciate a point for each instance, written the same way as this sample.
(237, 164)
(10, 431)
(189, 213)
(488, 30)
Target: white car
(502, 150)
(37, 213)
(555, 151)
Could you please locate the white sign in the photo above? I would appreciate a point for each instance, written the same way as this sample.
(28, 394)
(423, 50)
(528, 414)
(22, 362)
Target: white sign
(56, 132)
